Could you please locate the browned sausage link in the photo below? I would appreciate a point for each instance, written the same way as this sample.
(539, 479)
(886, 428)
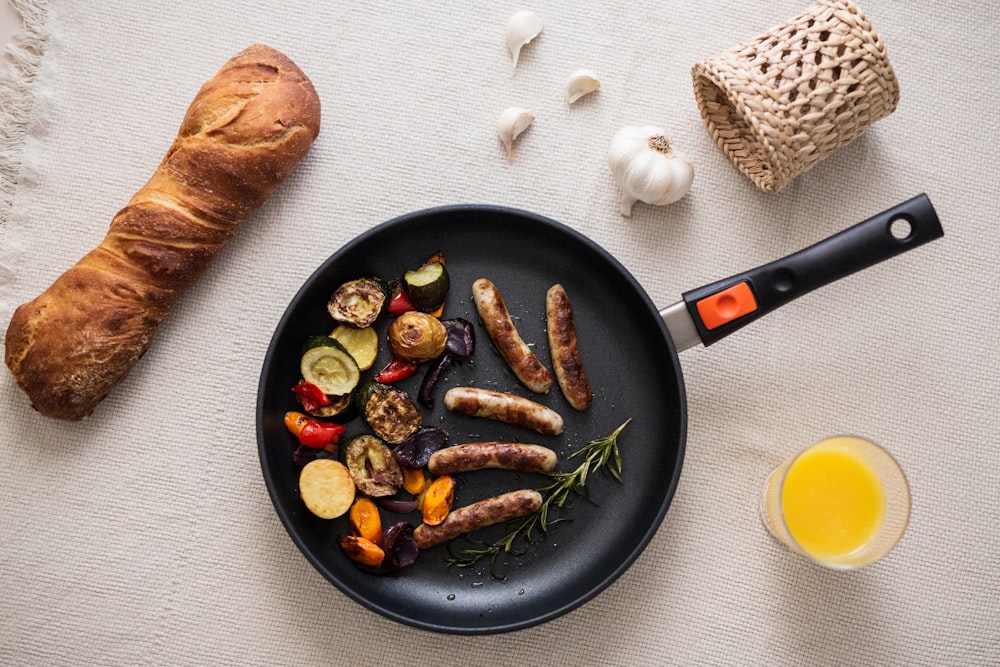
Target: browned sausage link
(478, 455)
(484, 513)
(503, 407)
(500, 327)
(564, 350)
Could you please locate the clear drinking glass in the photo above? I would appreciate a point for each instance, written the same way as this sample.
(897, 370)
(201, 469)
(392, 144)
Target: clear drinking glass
(843, 502)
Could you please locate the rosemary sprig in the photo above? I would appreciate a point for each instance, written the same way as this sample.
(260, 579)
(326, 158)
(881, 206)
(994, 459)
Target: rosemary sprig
(602, 454)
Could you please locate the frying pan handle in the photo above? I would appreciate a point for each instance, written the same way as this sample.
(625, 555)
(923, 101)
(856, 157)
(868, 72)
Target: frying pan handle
(721, 308)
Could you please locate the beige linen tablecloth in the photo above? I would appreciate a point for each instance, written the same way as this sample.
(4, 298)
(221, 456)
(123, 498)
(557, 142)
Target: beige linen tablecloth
(145, 535)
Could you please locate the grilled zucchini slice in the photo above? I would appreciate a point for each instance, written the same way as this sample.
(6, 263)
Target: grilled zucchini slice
(389, 411)
(330, 367)
(372, 466)
(362, 344)
(427, 286)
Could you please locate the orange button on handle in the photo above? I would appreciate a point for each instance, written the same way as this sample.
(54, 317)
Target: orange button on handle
(725, 306)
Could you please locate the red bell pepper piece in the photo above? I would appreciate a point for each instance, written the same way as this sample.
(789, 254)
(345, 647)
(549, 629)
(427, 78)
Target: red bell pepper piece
(313, 433)
(396, 370)
(320, 435)
(311, 396)
(400, 303)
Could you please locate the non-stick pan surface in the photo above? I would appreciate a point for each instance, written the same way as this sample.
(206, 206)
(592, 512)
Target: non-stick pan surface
(632, 366)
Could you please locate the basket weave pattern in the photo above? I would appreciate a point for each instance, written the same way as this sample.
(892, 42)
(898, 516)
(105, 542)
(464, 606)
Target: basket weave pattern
(783, 101)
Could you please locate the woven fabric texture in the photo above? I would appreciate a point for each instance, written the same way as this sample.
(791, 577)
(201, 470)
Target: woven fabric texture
(145, 534)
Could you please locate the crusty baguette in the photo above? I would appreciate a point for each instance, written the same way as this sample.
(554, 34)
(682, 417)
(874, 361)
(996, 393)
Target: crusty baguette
(244, 132)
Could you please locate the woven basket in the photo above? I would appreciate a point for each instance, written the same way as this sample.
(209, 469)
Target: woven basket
(781, 102)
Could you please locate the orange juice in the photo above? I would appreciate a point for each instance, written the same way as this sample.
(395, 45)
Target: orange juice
(832, 500)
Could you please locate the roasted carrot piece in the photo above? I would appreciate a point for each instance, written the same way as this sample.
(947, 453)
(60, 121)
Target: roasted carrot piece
(413, 479)
(438, 499)
(365, 520)
(361, 550)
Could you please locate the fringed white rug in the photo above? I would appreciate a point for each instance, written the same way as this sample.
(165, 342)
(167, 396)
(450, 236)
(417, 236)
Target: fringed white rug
(145, 534)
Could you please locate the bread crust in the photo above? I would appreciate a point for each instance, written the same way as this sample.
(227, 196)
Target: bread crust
(244, 132)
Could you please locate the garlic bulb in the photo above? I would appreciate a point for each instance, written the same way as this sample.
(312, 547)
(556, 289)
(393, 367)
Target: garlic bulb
(513, 121)
(581, 82)
(522, 27)
(647, 168)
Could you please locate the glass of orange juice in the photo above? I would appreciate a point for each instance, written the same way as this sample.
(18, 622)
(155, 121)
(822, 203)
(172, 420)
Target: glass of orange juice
(844, 502)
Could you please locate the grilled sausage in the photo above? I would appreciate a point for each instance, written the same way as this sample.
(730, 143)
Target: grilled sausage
(507, 340)
(503, 407)
(484, 513)
(566, 360)
(479, 455)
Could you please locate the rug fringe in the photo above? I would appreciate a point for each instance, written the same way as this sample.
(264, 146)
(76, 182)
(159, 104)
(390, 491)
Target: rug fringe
(17, 99)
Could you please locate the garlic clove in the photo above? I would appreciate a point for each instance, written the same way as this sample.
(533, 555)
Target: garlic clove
(581, 82)
(522, 27)
(647, 168)
(513, 121)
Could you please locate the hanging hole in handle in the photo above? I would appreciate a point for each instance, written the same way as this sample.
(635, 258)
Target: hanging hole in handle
(901, 229)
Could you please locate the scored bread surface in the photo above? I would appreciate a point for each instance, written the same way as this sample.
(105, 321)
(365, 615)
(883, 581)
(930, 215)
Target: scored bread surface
(243, 134)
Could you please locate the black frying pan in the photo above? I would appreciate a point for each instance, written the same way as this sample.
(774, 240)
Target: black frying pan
(629, 349)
